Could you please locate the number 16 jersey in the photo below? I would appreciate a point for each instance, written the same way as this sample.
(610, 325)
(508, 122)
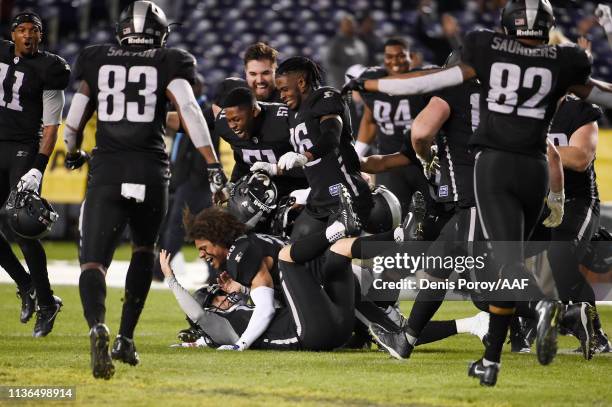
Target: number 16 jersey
(521, 87)
(128, 89)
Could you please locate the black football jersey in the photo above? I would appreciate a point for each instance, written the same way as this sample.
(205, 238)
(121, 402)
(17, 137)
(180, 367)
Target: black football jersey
(268, 142)
(246, 254)
(521, 85)
(572, 114)
(22, 82)
(325, 175)
(393, 114)
(128, 88)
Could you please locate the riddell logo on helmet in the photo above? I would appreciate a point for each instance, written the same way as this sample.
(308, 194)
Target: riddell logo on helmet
(529, 33)
(139, 40)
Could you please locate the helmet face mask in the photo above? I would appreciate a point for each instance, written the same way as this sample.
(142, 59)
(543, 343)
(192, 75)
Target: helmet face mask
(142, 24)
(253, 199)
(531, 19)
(29, 215)
(206, 295)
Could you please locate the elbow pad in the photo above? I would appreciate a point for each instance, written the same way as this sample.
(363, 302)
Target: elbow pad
(190, 112)
(422, 84)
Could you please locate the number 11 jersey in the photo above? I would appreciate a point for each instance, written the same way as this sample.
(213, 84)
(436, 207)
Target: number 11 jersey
(128, 89)
(521, 87)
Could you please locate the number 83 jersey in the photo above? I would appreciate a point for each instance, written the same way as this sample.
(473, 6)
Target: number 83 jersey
(128, 88)
(521, 87)
(22, 82)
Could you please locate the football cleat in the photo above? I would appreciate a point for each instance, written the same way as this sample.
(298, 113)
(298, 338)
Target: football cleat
(395, 343)
(518, 336)
(578, 320)
(549, 315)
(28, 304)
(45, 318)
(347, 216)
(486, 374)
(101, 362)
(602, 343)
(189, 335)
(413, 225)
(124, 350)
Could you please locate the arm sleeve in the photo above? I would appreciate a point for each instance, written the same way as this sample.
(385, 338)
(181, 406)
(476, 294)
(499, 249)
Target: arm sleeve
(600, 97)
(53, 105)
(187, 303)
(331, 129)
(263, 298)
(190, 112)
(422, 84)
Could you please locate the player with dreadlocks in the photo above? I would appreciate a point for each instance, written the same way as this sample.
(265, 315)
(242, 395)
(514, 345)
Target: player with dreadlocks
(321, 137)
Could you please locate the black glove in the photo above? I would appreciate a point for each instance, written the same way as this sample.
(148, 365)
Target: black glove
(76, 160)
(357, 84)
(216, 177)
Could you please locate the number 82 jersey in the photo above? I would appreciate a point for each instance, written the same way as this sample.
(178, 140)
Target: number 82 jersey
(128, 88)
(521, 87)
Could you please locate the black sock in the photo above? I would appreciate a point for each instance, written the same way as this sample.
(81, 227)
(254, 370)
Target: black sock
(10, 263)
(137, 285)
(309, 247)
(358, 253)
(436, 331)
(498, 329)
(426, 304)
(36, 259)
(92, 286)
(526, 309)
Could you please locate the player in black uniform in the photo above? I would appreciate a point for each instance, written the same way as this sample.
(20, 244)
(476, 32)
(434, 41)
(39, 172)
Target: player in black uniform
(129, 84)
(322, 141)
(386, 119)
(258, 132)
(259, 69)
(522, 80)
(32, 84)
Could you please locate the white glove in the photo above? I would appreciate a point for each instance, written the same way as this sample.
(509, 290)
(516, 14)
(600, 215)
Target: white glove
(30, 181)
(555, 202)
(431, 166)
(604, 17)
(291, 160)
(270, 169)
(236, 346)
(300, 195)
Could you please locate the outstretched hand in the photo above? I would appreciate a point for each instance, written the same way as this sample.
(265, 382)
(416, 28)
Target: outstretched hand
(164, 262)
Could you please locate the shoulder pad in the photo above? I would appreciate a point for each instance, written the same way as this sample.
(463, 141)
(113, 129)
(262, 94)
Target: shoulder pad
(326, 100)
(57, 72)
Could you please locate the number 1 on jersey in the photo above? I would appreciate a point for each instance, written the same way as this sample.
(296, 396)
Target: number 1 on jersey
(14, 103)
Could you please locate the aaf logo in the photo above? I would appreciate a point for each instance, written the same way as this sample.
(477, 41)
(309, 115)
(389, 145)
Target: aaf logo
(334, 190)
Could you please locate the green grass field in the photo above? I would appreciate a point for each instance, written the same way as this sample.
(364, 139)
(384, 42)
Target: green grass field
(435, 375)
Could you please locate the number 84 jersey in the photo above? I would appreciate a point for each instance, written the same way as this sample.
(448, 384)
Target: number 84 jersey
(22, 83)
(128, 88)
(521, 87)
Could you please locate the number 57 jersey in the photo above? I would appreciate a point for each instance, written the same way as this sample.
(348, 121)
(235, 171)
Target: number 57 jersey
(521, 85)
(128, 89)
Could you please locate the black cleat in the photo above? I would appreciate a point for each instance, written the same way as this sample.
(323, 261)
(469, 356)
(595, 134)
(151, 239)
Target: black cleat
(413, 224)
(395, 343)
(189, 335)
(45, 318)
(125, 350)
(578, 320)
(602, 343)
(101, 363)
(28, 304)
(518, 336)
(549, 315)
(347, 216)
(487, 375)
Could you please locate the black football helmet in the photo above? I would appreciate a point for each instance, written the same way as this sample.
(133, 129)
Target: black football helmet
(598, 256)
(142, 24)
(253, 199)
(386, 213)
(29, 215)
(528, 19)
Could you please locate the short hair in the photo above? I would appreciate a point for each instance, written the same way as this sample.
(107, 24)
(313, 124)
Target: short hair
(259, 51)
(396, 41)
(214, 224)
(226, 86)
(308, 67)
(238, 97)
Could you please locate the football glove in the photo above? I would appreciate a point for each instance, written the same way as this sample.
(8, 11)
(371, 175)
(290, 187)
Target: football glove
(357, 84)
(555, 202)
(216, 177)
(76, 160)
(270, 169)
(604, 17)
(292, 160)
(30, 181)
(431, 166)
(236, 346)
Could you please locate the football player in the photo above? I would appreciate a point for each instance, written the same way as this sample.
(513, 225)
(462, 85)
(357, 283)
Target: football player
(32, 84)
(260, 69)
(321, 137)
(522, 80)
(386, 118)
(129, 84)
